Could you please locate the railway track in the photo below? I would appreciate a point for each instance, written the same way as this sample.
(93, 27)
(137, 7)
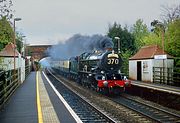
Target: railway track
(86, 111)
(136, 111)
(152, 112)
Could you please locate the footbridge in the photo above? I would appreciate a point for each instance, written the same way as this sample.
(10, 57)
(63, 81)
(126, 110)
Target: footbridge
(37, 52)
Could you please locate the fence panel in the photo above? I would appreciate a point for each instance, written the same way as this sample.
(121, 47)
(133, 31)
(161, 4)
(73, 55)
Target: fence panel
(8, 83)
(169, 76)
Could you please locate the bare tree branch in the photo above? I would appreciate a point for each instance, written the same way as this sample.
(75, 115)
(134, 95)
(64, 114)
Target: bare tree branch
(170, 13)
(5, 9)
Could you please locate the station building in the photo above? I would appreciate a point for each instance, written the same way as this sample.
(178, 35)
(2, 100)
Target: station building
(147, 62)
(10, 58)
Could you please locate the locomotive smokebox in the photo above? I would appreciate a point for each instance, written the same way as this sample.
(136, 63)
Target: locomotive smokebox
(110, 62)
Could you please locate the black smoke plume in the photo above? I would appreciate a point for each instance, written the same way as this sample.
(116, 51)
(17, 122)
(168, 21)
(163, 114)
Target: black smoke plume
(79, 44)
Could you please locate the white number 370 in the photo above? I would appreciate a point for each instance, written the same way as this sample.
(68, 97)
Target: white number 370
(113, 61)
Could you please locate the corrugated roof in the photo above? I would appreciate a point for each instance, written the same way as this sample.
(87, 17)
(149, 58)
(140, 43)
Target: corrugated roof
(148, 52)
(9, 51)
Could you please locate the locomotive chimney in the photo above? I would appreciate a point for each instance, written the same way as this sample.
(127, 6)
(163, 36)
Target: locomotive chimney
(118, 44)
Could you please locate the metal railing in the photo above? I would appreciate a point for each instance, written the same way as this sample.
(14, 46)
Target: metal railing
(169, 76)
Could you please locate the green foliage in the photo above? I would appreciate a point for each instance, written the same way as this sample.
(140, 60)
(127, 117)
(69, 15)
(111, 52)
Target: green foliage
(1, 60)
(7, 35)
(19, 41)
(151, 39)
(173, 40)
(19, 45)
(126, 38)
(173, 35)
(29, 52)
(125, 66)
(159, 27)
(6, 32)
(139, 31)
(155, 36)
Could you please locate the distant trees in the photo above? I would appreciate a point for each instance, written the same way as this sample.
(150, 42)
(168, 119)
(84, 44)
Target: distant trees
(126, 38)
(170, 30)
(127, 43)
(6, 31)
(171, 18)
(165, 33)
(159, 29)
(19, 41)
(173, 40)
(139, 31)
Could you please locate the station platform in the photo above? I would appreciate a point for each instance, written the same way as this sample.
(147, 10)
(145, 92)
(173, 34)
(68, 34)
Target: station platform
(159, 87)
(37, 101)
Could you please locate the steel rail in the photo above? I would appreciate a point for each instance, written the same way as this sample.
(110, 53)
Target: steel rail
(84, 109)
(152, 112)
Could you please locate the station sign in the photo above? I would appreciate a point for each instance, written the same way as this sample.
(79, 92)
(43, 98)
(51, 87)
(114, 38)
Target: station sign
(160, 56)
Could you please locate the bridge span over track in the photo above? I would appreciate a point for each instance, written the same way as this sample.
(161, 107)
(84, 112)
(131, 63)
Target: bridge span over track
(37, 51)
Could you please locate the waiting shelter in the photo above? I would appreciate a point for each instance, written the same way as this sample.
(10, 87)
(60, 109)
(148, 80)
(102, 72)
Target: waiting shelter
(150, 64)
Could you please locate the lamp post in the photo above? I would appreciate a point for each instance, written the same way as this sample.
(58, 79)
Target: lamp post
(118, 44)
(15, 19)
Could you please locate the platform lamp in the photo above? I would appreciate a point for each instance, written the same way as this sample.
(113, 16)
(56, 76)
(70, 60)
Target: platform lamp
(15, 19)
(118, 44)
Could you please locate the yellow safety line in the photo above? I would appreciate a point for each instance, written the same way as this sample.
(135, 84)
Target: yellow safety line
(40, 118)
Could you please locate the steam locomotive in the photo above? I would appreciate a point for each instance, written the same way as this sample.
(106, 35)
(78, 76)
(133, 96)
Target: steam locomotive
(99, 70)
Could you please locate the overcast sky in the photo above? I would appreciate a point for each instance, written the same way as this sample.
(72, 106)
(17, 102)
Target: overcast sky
(51, 21)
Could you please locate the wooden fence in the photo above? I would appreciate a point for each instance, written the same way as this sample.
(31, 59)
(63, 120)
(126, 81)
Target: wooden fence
(9, 81)
(8, 84)
(27, 70)
(169, 76)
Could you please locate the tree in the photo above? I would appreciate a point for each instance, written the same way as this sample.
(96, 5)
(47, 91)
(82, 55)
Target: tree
(173, 39)
(139, 31)
(171, 17)
(5, 9)
(159, 29)
(152, 39)
(125, 65)
(170, 13)
(6, 32)
(126, 42)
(126, 38)
(19, 41)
